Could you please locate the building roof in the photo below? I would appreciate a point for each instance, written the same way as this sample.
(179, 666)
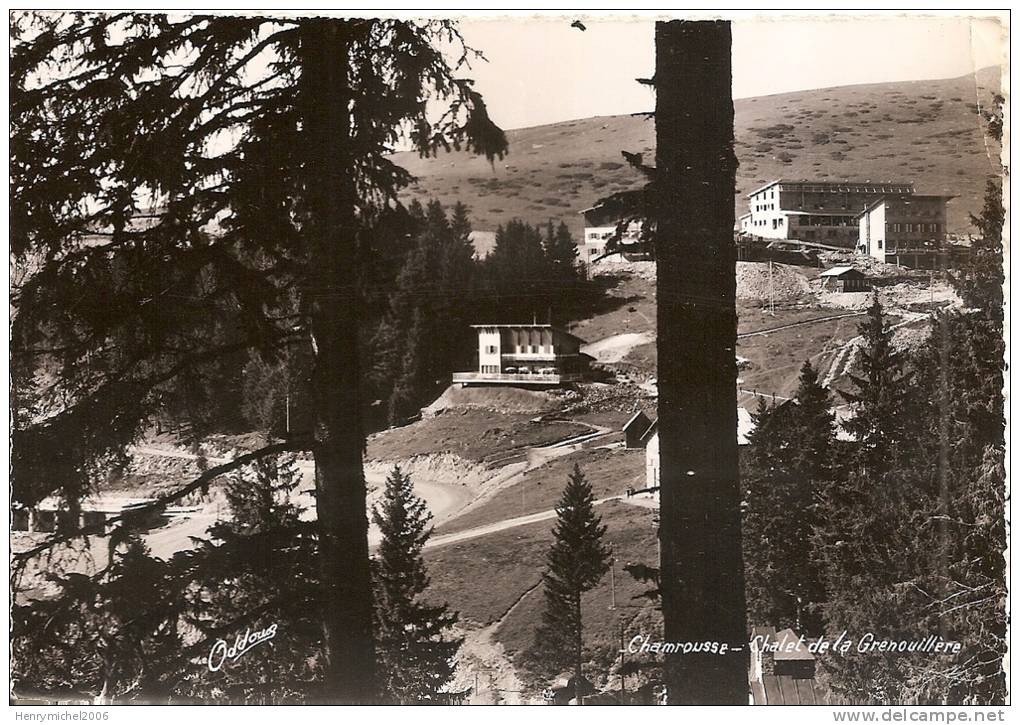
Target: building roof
(839, 271)
(790, 647)
(638, 419)
(532, 325)
(831, 184)
(653, 430)
(788, 690)
(745, 425)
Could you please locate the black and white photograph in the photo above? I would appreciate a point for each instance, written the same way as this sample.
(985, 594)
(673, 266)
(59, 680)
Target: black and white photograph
(533, 357)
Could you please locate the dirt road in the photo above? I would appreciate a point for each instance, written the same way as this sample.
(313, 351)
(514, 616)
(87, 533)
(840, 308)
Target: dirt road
(459, 536)
(443, 499)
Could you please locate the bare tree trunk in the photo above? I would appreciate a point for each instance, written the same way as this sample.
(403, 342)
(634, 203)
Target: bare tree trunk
(702, 567)
(333, 301)
(578, 652)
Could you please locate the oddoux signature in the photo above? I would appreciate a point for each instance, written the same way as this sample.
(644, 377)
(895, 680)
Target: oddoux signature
(221, 652)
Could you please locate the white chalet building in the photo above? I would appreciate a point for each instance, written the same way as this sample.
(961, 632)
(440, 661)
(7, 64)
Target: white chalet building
(532, 355)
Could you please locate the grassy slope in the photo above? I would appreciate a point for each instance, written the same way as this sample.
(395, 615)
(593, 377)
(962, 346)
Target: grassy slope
(632, 533)
(927, 132)
(483, 578)
(492, 435)
(610, 472)
(775, 358)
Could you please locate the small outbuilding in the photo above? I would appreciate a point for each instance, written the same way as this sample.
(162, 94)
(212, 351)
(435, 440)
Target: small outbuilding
(844, 279)
(634, 430)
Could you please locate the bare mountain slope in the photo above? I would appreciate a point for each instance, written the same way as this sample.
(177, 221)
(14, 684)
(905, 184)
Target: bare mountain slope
(928, 132)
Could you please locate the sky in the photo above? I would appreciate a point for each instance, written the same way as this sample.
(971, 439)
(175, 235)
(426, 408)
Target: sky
(542, 70)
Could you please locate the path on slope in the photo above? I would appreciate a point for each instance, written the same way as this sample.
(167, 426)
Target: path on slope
(615, 348)
(443, 500)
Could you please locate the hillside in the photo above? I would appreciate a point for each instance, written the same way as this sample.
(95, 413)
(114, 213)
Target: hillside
(928, 132)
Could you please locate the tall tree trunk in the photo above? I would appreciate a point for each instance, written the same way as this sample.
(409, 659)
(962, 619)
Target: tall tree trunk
(702, 567)
(578, 652)
(333, 305)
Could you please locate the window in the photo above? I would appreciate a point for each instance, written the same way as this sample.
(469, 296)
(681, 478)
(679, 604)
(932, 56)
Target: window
(490, 349)
(879, 243)
(908, 227)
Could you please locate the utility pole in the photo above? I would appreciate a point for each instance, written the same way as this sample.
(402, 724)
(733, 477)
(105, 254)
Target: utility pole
(623, 663)
(612, 574)
(772, 293)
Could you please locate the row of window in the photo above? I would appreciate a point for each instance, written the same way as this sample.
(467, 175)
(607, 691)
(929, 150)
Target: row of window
(522, 349)
(912, 227)
(823, 221)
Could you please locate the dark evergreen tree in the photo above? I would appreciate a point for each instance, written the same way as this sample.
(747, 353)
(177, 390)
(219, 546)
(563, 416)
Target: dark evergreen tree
(426, 330)
(981, 279)
(560, 248)
(259, 495)
(880, 398)
(415, 381)
(460, 227)
(460, 275)
(912, 545)
(415, 648)
(789, 471)
(521, 279)
(576, 562)
(257, 164)
(105, 637)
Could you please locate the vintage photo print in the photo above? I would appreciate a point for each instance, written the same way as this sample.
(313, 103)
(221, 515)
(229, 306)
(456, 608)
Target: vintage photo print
(523, 358)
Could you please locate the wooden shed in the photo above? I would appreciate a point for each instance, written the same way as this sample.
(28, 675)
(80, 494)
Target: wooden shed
(844, 279)
(634, 430)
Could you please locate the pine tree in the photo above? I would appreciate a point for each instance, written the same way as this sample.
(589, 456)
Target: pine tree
(576, 562)
(880, 396)
(415, 650)
(108, 637)
(981, 279)
(560, 248)
(234, 165)
(259, 495)
(912, 544)
(788, 473)
(425, 330)
(520, 275)
(415, 381)
(460, 273)
(460, 227)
